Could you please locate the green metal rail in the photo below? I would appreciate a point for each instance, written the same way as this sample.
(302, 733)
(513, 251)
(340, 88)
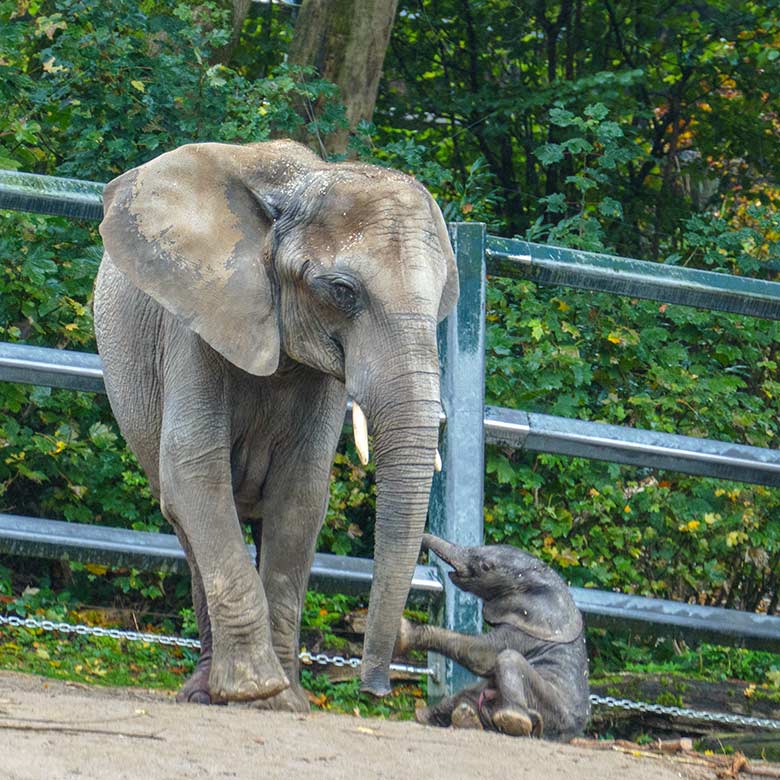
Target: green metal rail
(71, 198)
(635, 278)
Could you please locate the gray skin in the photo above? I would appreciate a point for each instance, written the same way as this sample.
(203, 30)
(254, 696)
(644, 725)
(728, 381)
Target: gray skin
(534, 659)
(245, 290)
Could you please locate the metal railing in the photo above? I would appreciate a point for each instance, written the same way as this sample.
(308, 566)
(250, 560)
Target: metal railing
(635, 278)
(456, 505)
(64, 368)
(118, 547)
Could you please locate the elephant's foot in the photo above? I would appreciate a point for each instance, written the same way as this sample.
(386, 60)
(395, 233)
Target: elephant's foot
(196, 689)
(252, 674)
(430, 716)
(294, 699)
(518, 723)
(406, 636)
(465, 716)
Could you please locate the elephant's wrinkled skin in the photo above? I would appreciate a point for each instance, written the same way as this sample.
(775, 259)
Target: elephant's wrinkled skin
(533, 659)
(245, 290)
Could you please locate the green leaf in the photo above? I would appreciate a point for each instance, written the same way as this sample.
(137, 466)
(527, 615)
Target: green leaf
(561, 117)
(549, 153)
(578, 146)
(555, 203)
(597, 111)
(609, 207)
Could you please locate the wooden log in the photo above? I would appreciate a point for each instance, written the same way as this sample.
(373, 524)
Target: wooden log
(730, 696)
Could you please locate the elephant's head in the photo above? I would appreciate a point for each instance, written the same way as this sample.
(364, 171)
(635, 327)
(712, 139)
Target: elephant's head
(265, 250)
(517, 589)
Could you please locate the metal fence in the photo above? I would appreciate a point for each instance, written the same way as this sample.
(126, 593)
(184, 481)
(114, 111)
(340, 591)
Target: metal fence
(457, 499)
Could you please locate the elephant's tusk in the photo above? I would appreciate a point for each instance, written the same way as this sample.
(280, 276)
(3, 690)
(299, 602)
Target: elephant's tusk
(437, 461)
(360, 431)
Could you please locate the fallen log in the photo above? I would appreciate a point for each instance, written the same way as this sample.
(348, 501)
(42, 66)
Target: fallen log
(729, 696)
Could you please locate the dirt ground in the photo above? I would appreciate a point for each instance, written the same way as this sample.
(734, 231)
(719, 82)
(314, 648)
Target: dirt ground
(50, 729)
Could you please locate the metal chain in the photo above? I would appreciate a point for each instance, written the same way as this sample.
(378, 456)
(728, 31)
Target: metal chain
(684, 712)
(340, 661)
(81, 630)
(324, 659)
(162, 639)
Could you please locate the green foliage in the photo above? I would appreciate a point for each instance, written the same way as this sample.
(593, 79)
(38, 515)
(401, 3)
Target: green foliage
(610, 654)
(352, 500)
(687, 93)
(750, 248)
(627, 362)
(95, 660)
(594, 147)
(62, 455)
(623, 362)
(5, 581)
(321, 612)
(132, 82)
(346, 697)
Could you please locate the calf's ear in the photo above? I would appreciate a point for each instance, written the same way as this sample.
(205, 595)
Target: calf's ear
(550, 614)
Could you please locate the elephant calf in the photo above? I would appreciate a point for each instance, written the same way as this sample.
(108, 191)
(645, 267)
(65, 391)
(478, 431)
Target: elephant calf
(534, 659)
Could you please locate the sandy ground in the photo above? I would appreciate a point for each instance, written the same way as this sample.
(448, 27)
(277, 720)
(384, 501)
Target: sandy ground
(52, 730)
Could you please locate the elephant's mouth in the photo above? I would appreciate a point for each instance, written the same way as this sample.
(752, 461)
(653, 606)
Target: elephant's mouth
(461, 575)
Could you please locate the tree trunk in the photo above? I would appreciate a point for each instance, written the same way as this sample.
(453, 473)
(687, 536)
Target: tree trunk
(240, 13)
(346, 41)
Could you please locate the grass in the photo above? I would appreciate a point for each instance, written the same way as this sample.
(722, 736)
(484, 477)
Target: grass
(611, 654)
(113, 662)
(96, 660)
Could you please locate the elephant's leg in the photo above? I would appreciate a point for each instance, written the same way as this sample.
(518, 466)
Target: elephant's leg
(295, 499)
(459, 710)
(285, 563)
(196, 689)
(477, 653)
(524, 698)
(197, 498)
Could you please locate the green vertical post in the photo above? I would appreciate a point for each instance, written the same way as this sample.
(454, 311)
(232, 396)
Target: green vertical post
(457, 496)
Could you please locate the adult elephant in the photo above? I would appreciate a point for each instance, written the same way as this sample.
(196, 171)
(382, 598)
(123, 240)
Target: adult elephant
(245, 291)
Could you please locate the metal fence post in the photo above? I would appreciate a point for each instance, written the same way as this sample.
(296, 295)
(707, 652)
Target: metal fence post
(457, 495)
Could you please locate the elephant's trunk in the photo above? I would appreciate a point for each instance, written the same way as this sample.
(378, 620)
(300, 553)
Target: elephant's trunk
(404, 415)
(460, 558)
(456, 556)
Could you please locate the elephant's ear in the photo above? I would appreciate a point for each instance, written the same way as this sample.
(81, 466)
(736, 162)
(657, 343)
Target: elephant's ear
(549, 614)
(192, 229)
(449, 296)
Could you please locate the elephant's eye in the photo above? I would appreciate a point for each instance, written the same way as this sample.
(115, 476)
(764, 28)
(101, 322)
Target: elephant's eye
(344, 295)
(340, 291)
